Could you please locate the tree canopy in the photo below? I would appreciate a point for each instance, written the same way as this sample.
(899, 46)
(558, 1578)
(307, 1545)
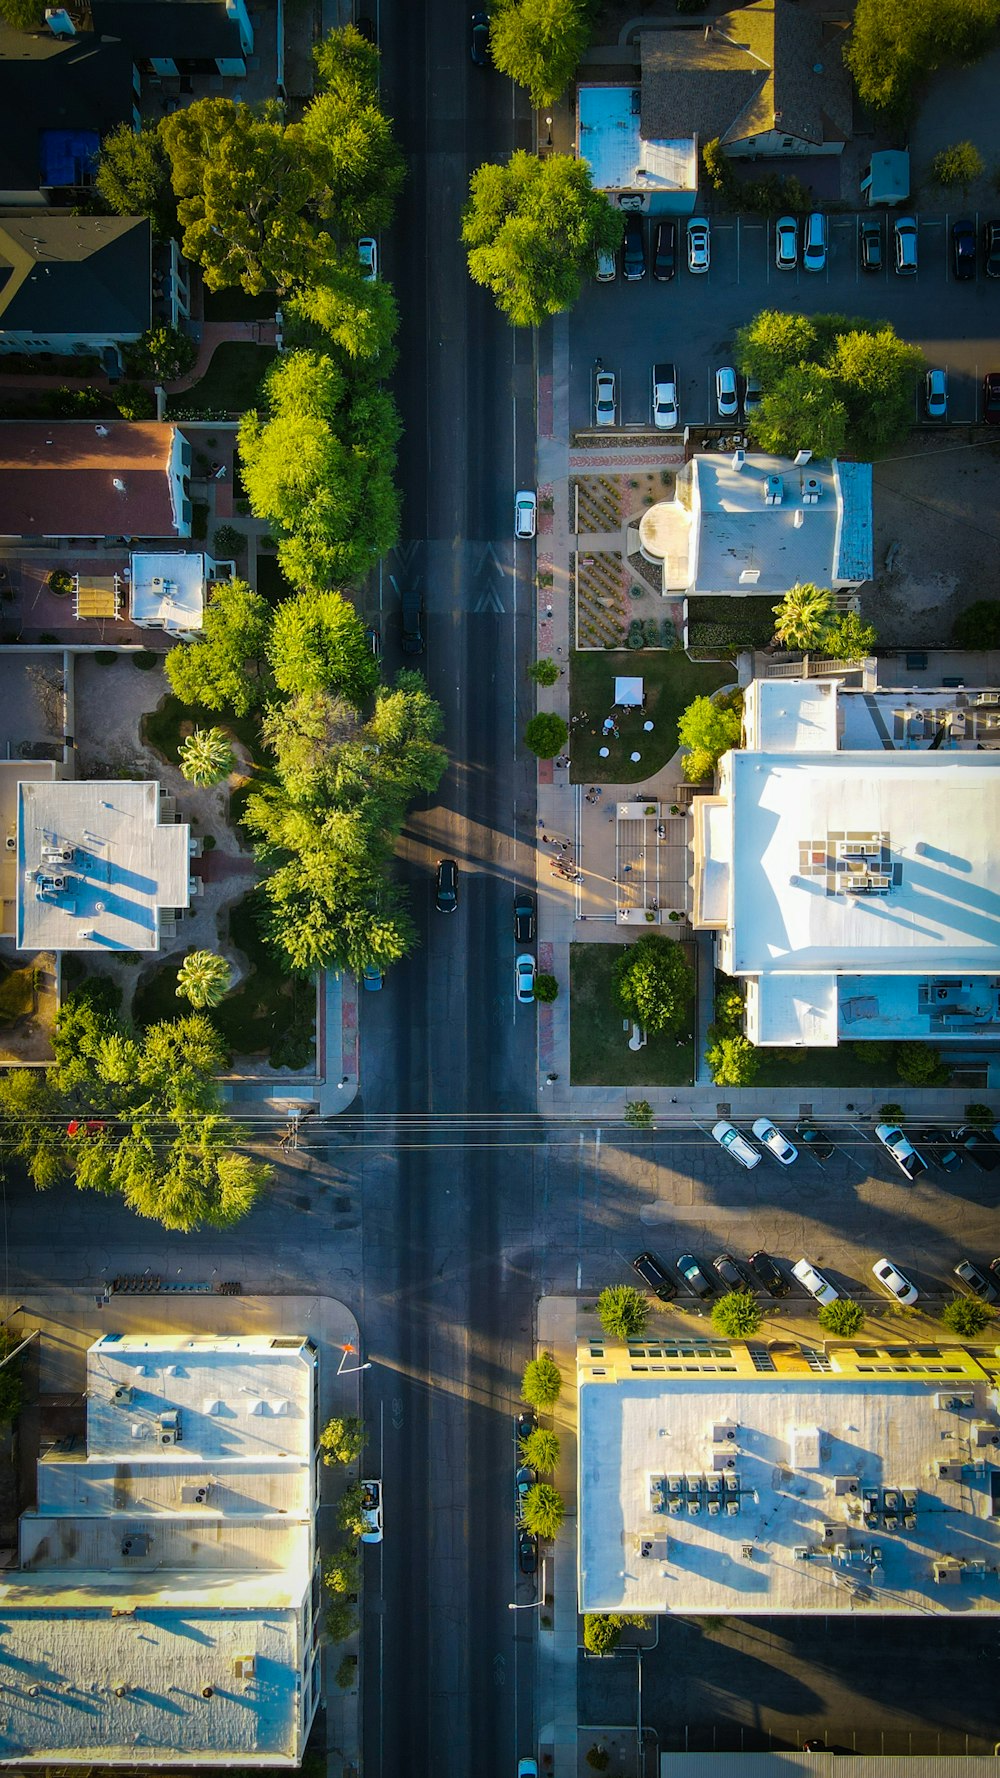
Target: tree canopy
(623, 1311)
(539, 43)
(828, 381)
(532, 228)
(318, 642)
(225, 669)
(541, 1384)
(709, 727)
(896, 44)
(546, 734)
(654, 983)
(803, 616)
(133, 176)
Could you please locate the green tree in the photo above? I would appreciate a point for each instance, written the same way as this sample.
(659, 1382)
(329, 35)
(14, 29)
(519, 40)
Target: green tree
(347, 64)
(544, 671)
(23, 15)
(317, 642)
(842, 1318)
(543, 1510)
(737, 1315)
(532, 228)
(638, 1113)
(848, 639)
(602, 1630)
(340, 1620)
(876, 373)
(225, 669)
(709, 727)
(342, 1574)
(732, 1059)
(539, 43)
(719, 172)
(546, 988)
(896, 44)
(133, 176)
(342, 1439)
(773, 342)
(350, 1510)
(541, 1385)
(546, 734)
(206, 756)
(653, 982)
(961, 164)
(540, 1450)
(354, 159)
(204, 978)
(803, 410)
(978, 626)
(162, 352)
(803, 616)
(730, 1005)
(966, 1316)
(623, 1311)
(361, 318)
(920, 1065)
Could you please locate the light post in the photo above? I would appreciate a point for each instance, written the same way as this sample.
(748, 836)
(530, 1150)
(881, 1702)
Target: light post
(347, 1370)
(533, 1604)
(548, 139)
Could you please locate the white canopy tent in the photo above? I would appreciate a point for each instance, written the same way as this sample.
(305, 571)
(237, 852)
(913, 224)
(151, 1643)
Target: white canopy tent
(629, 693)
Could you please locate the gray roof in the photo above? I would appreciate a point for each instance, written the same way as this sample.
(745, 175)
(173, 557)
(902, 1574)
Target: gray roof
(75, 274)
(184, 30)
(68, 84)
(855, 555)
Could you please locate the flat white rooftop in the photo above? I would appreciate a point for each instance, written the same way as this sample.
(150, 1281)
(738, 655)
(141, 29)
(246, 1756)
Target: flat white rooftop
(610, 141)
(95, 866)
(168, 590)
(807, 1765)
(744, 545)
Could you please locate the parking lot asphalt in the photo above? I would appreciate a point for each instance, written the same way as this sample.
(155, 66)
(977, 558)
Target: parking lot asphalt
(692, 319)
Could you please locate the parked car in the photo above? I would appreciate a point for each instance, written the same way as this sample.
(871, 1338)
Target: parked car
(895, 1282)
(991, 245)
(446, 897)
(815, 1281)
(605, 403)
(773, 1280)
(963, 250)
(904, 237)
(524, 1424)
(731, 1272)
(775, 1141)
(634, 249)
(902, 1150)
(980, 1283)
(786, 243)
(525, 513)
(368, 259)
(753, 395)
(936, 394)
(412, 612)
(371, 1512)
(655, 1275)
(527, 1768)
(991, 398)
(524, 917)
(939, 1149)
(479, 38)
(979, 1147)
(699, 244)
(527, 1552)
(607, 266)
(665, 410)
(871, 244)
(815, 241)
(815, 1140)
(372, 978)
(665, 251)
(524, 1480)
(729, 1138)
(727, 399)
(524, 979)
(693, 1275)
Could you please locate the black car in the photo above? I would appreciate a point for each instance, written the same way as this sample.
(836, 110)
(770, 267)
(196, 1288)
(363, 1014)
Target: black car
(665, 251)
(979, 1147)
(524, 1481)
(963, 250)
(991, 398)
(693, 1275)
(980, 1283)
(774, 1281)
(940, 1148)
(446, 898)
(413, 629)
(634, 249)
(366, 27)
(991, 244)
(527, 1552)
(524, 1424)
(652, 1273)
(731, 1272)
(871, 244)
(815, 1140)
(479, 37)
(524, 918)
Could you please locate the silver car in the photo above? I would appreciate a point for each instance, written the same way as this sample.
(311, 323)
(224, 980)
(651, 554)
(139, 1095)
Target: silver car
(727, 397)
(605, 404)
(786, 243)
(699, 244)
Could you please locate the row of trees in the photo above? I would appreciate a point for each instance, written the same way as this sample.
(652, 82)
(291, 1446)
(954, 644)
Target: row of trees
(624, 1315)
(828, 381)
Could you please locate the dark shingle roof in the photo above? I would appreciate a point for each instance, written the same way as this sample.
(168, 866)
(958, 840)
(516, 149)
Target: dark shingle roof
(181, 29)
(71, 84)
(75, 274)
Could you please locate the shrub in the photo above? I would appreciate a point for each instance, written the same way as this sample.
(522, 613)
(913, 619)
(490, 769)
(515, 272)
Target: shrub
(60, 582)
(105, 657)
(737, 1315)
(979, 1115)
(342, 1573)
(135, 402)
(342, 1439)
(228, 541)
(871, 1050)
(639, 1114)
(144, 659)
(890, 1113)
(961, 164)
(544, 671)
(920, 1065)
(347, 1672)
(349, 1512)
(843, 1318)
(602, 1630)
(598, 1758)
(541, 1385)
(730, 1007)
(732, 1059)
(965, 1316)
(541, 1449)
(340, 1620)
(546, 987)
(623, 1311)
(543, 1510)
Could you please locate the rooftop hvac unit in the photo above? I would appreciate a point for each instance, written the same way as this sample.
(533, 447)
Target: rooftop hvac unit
(169, 1435)
(946, 1573)
(157, 583)
(244, 1667)
(952, 1402)
(949, 1472)
(738, 459)
(169, 1417)
(723, 1431)
(811, 491)
(122, 1394)
(773, 490)
(802, 1553)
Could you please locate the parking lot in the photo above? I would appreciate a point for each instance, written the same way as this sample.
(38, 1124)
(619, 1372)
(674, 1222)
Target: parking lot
(692, 319)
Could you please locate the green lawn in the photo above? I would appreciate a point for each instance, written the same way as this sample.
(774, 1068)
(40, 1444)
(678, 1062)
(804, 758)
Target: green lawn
(238, 305)
(839, 1067)
(232, 380)
(599, 1052)
(161, 728)
(670, 682)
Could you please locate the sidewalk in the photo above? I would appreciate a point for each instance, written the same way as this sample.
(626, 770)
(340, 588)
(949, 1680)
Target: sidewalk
(557, 1647)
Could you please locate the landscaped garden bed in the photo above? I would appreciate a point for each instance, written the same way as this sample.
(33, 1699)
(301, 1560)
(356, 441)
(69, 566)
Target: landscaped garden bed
(729, 623)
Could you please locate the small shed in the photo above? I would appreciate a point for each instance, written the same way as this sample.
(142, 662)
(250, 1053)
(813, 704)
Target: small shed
(886, 180)
(629, 694)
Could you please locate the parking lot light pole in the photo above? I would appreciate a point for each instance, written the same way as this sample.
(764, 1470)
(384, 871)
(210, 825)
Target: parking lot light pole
(548, 139)
(534, 1604)
(347, 1370)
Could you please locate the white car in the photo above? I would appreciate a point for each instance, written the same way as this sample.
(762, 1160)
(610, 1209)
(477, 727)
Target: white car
(371, 1512)
(902, 1151)
(729, 1138)
(936, 394)
(525, 513)
(607, 266)
(605, 404)
(727, 399)
(368, 259)
(786, 243)
(778, 1144)
(524, 980)
(699, 245)
(665, 411)
(895, 1282)
(814, 242)
(815, 1282)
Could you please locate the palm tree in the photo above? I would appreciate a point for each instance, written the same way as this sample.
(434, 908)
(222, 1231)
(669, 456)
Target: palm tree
(804, 615)
(203, 978)
(206, 756)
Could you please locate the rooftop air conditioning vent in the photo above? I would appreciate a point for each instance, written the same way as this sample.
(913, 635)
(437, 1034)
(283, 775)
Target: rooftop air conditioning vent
(773, 490)
(244, 1666)
(953, 1402)
(122, 1394)
(169, 1435)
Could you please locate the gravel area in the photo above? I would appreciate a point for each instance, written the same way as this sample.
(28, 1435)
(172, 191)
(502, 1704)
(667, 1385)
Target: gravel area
(936, 523)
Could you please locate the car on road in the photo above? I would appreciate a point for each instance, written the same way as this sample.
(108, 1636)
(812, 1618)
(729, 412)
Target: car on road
(775, 1141)
(524, 1481)
(525, 512)
(524, 1424)
(980, 1283)
(991, 398)
(634, 249)
(605, 403)
(936, 394)
(902, 1150)
(939, 1148)
(815, 1281)
(607, 266)
(371, 1512)
(731, 1272)
(479, 38)
(368, 259)
(655, 1275)
(699, 244)
(730, 1138)
(895, 1282)
(979, 1147)
(753, 395)
(991, 247)
(527, 1552)
(412, 605)
(727, 398)
(904, 242)
(446, 895)
(665, 410)
(815, 241)
(814, 1139)
(524, 980)
(366, 26)
(773, 1280)
(786, 243)
(870, 238)
(524, 917)
(693, 1275)
(372, 978)
(527, 1768)
(963, 250)
(665, 251)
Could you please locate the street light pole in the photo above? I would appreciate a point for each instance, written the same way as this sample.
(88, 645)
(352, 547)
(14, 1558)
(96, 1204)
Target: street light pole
(534, 1604)
(548, 139)
(349, 1370)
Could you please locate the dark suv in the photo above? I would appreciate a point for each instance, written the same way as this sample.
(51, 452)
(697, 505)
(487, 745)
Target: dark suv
(773, 1280)
(446, 899)
(815, 1140)
(665, 251)
(871, 244)
(991, 244)
(634, 250)
(731, 1272)
(653, 1273)
(413, 629)
(963, 250)
(524, 918)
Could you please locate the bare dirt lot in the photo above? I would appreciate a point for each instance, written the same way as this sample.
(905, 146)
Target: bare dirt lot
(937, 521)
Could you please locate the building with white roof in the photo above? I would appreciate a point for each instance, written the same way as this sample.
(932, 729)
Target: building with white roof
(168, 590)
(96, 866)
(164, 1610)
(657, 175)
(847, 864)
(731, 1478)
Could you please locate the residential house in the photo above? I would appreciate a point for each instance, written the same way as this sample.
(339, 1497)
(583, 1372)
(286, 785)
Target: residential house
(78, 478)
(59, 96)
(180, 37)
(74, 284)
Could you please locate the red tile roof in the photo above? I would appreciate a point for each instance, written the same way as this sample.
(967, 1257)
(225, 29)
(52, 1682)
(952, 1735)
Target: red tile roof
(57, 478)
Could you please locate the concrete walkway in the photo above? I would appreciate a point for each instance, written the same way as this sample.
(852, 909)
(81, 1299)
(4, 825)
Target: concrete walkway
(213, 334)
(558, 1634)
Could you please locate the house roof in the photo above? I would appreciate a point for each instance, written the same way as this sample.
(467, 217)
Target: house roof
(57, 478)
(75, 274)
(180, 29)
(78, 86)
(766, 66)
